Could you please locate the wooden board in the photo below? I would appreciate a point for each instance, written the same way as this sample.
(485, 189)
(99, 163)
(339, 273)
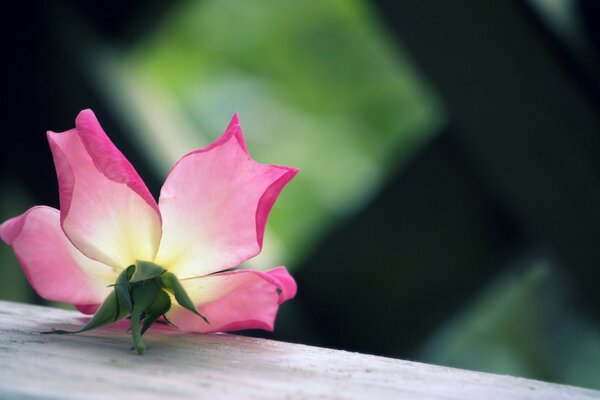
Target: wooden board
(100, 364)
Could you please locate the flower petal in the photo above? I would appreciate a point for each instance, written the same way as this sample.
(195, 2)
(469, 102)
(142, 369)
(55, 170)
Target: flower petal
(214, 205)
(235, 300)
(53, 266)
(106, 209)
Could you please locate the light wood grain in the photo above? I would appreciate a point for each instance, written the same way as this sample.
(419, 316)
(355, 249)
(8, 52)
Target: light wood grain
(100, 364)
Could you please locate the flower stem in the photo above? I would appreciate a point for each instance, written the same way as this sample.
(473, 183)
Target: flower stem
(137, 335)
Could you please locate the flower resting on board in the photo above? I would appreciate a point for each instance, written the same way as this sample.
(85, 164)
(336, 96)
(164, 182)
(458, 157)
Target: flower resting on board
(114, 251)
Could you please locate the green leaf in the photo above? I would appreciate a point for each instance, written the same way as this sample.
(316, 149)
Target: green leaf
(122, 287)
(145, 270)
(160, 307)
(144, 295)
(110, 311)
(173, 285)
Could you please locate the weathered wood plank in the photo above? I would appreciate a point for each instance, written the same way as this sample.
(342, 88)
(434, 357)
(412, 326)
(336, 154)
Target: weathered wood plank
(99, 364)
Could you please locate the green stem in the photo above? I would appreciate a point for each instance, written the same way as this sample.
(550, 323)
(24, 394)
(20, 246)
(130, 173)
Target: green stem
(137, 335)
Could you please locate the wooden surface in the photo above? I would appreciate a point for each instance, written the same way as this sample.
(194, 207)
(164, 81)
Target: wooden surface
(100, 364)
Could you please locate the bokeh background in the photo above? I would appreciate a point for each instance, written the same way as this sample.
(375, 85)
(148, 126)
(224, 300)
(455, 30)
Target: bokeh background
(448, 205)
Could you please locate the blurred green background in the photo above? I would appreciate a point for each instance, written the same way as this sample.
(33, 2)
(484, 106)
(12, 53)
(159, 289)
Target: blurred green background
(448, 205)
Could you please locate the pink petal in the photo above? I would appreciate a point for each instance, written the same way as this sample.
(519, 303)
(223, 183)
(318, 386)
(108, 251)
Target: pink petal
(106, 209)
(54, 267)
(214, 205)
(235, 300)
(285, 282)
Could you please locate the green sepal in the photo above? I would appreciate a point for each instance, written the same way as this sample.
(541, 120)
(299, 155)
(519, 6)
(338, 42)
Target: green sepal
(122, 287)
(111, 310)
(141, 291)
(160, 307)
(166, 320)
(144, 295)
(145, 270)
(173, 285)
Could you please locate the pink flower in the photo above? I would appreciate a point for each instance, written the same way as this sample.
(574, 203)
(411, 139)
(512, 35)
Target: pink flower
(210, 217)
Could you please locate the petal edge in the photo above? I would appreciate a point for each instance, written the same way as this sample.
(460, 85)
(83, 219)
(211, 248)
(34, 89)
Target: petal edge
(53, 266)
(235, 300)
(215, 203)
(106, 209)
